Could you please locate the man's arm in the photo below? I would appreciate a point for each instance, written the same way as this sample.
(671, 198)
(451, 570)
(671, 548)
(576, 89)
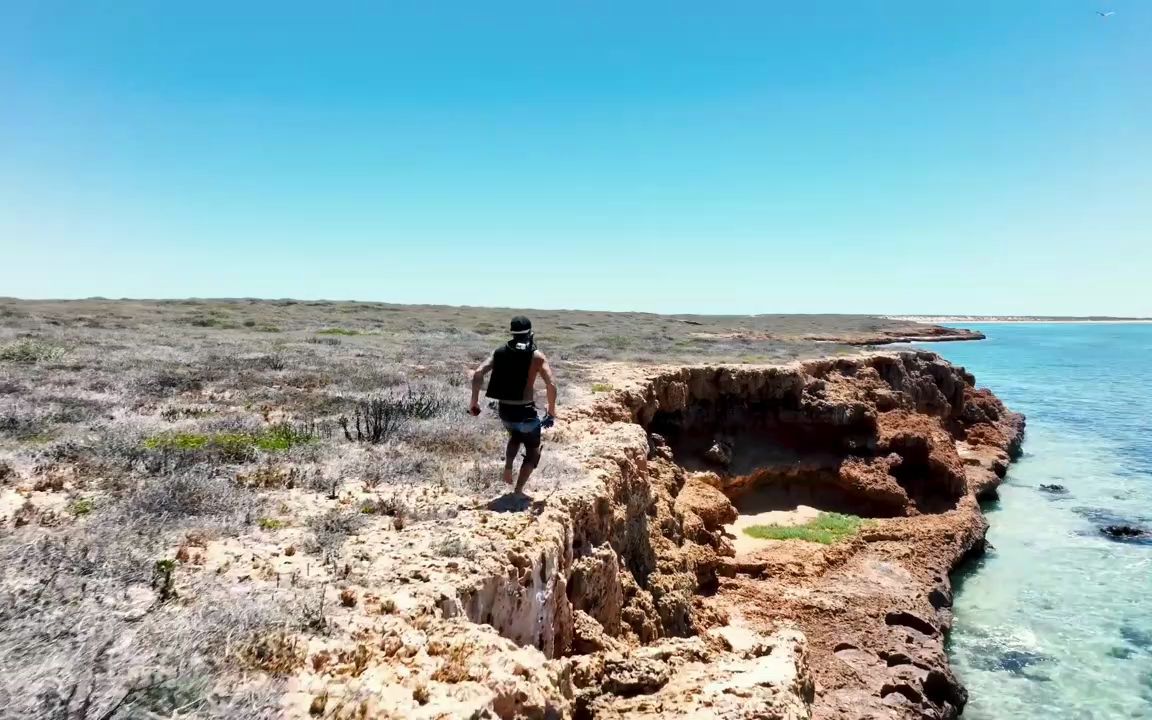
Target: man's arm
(549, 383)
(478, 382)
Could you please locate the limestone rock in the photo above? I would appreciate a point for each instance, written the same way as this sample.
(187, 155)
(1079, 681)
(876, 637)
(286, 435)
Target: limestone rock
(705, 501)
(776, 684)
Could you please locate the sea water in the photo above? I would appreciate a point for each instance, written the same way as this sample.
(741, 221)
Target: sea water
(1056, 620)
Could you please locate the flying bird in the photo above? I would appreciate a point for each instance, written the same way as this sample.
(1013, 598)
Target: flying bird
(1101, 13)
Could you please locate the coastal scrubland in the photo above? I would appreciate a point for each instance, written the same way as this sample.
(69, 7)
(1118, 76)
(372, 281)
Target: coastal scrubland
(180, 480)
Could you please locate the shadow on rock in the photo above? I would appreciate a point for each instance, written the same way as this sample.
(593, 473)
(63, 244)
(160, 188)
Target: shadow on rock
(514, 502)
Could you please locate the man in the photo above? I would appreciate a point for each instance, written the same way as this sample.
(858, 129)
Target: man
(515, 367)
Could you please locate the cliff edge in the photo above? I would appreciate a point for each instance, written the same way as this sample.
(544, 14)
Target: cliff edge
(626, 594)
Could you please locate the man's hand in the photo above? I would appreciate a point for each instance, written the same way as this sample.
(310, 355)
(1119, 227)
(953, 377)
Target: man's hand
(475, 409)
(548, 421)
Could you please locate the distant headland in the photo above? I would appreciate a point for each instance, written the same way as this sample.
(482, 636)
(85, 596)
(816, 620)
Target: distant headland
(934, 319)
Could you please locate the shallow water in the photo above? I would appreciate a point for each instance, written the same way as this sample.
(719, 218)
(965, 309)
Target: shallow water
(1056, 620)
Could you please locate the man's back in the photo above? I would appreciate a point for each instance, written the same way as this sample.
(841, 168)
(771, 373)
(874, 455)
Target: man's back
(514, 374)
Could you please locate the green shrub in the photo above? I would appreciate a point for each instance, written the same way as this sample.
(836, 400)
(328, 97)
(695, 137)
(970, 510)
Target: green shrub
(211, 321)
(601, 387)
(235, 446)
(30, 352)
(337, 331)
(83, 506)
(826, 529)
(271, 524)
(283, 436)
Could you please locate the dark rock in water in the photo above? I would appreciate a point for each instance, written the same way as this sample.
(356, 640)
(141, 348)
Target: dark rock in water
(1121, 653)
(1125, 532)
(1016, 661)
(1102, 517)
(1117, 527)
(1054, 489)
(1137, 636)
(1009, 660)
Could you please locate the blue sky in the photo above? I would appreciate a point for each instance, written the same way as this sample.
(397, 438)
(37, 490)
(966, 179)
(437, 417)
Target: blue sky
(856, 156)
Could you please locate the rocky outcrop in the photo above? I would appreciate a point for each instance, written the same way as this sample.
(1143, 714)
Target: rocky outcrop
(903, 439)
(621, 595)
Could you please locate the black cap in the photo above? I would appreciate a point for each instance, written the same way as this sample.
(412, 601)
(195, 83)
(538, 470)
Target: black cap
(521, 325)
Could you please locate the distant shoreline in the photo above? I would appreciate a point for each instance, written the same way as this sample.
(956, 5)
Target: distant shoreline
(936, 319)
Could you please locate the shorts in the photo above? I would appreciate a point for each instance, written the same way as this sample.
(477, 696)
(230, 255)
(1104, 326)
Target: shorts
(522, 423)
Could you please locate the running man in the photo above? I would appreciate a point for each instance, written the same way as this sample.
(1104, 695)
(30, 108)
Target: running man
(515, 367)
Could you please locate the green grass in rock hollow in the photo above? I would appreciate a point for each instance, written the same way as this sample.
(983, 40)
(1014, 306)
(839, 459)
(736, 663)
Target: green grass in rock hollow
(826, 529)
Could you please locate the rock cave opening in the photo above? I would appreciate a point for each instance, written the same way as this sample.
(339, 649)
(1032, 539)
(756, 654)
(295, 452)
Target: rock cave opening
(772, 457)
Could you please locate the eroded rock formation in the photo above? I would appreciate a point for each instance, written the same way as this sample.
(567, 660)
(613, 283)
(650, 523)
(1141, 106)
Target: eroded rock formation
(623, 595)
(905, 440)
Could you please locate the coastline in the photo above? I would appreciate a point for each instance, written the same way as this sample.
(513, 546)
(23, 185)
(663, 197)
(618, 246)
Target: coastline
(935, 333)
(936, 319)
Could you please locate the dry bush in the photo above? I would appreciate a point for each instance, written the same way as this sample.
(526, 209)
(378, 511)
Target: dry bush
(330, 530)
(273, 477)
(194, 492)
(391, 465)
(76, 643)
(455, 544)
(379, 418)
(455, 436)
(22, 420)
(277, 653)
(66, 409)
(172, 381)
(454, 667)
(272, 361)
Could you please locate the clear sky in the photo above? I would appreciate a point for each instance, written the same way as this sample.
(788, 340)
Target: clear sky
(959, 156)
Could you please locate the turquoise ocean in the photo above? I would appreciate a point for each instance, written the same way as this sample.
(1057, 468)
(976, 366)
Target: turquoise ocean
(1055, 621)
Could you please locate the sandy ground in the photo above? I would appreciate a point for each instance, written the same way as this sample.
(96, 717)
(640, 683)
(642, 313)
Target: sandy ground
(746, 545)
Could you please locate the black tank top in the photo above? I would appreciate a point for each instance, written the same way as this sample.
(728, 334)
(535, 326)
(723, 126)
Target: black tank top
(510, 368)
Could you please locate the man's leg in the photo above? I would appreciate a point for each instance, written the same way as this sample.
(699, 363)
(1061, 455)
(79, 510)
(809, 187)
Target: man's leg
(510, 453)
(531, 459)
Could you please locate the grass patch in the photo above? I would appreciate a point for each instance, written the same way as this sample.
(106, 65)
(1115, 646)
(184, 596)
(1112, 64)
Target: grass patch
(30, 352)
(271, 524)
(83, 506)
(601, 387)
(277, 437)
(337, 331)
(826, 529)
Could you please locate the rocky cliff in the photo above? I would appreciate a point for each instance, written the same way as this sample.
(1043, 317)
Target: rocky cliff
(624, 594)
